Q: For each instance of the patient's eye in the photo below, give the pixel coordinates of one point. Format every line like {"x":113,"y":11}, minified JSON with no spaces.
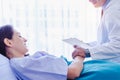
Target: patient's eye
{"x":20,"y":36}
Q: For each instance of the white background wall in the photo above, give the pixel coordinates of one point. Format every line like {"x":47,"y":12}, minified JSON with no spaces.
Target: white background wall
{"x":44,"y":23}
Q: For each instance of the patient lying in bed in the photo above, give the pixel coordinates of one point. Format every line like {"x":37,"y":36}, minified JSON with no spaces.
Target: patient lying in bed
{"x":92,"y":70}
{"x":43,"y":66}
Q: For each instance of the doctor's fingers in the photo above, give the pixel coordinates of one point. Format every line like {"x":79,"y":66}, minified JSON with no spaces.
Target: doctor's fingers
{"x":78,"y":52}
{"x":76,"y":46}
{"x":74,"y":54}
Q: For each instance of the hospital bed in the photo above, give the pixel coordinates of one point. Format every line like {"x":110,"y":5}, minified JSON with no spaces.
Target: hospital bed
{"x":93,"y":70}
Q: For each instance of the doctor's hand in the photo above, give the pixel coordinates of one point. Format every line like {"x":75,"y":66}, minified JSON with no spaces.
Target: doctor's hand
{"x":78,"y":52}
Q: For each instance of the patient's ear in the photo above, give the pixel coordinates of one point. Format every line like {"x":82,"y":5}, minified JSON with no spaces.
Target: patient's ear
{"x":7,"y":42}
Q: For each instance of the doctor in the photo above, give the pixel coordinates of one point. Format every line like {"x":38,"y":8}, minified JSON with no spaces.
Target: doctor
{"x":107,"y":46}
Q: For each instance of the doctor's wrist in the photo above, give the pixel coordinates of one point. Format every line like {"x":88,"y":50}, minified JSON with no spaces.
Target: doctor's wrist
{"x":87,"y":53}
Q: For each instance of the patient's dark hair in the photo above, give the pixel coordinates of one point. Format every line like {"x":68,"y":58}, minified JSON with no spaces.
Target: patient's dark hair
{"x":6,"y":31}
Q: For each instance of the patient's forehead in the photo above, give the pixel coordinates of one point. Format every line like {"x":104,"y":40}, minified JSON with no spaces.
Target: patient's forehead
{"x":15,"y":32}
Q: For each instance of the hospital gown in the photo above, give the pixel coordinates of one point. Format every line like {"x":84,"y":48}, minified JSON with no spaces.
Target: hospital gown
{"x":40,"y":66}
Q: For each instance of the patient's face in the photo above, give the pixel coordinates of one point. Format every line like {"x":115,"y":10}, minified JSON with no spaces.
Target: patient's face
{"x":18,"y":45}
{"x":98,"y":3}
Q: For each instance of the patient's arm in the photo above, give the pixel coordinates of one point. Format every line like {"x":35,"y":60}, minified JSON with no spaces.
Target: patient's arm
{"x":75,"y":67}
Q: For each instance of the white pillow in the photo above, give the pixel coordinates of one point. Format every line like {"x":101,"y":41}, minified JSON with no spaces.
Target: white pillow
{"x":5,"y":69}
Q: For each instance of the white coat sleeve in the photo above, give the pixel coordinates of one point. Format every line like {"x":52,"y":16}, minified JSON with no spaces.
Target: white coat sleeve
{"x":111,"y":28}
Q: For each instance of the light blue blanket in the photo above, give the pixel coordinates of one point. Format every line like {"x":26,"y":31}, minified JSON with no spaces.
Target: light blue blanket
{"x":99,"y":70}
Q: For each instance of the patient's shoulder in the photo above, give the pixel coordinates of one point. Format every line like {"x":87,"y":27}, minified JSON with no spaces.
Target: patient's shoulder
{"x":5,"y":69}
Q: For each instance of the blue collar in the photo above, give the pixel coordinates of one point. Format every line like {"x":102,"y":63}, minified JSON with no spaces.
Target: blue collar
{"x":104,"y":6}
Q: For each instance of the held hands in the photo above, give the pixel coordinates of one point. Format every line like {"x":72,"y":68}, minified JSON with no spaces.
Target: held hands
{"x":78,"y":52}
